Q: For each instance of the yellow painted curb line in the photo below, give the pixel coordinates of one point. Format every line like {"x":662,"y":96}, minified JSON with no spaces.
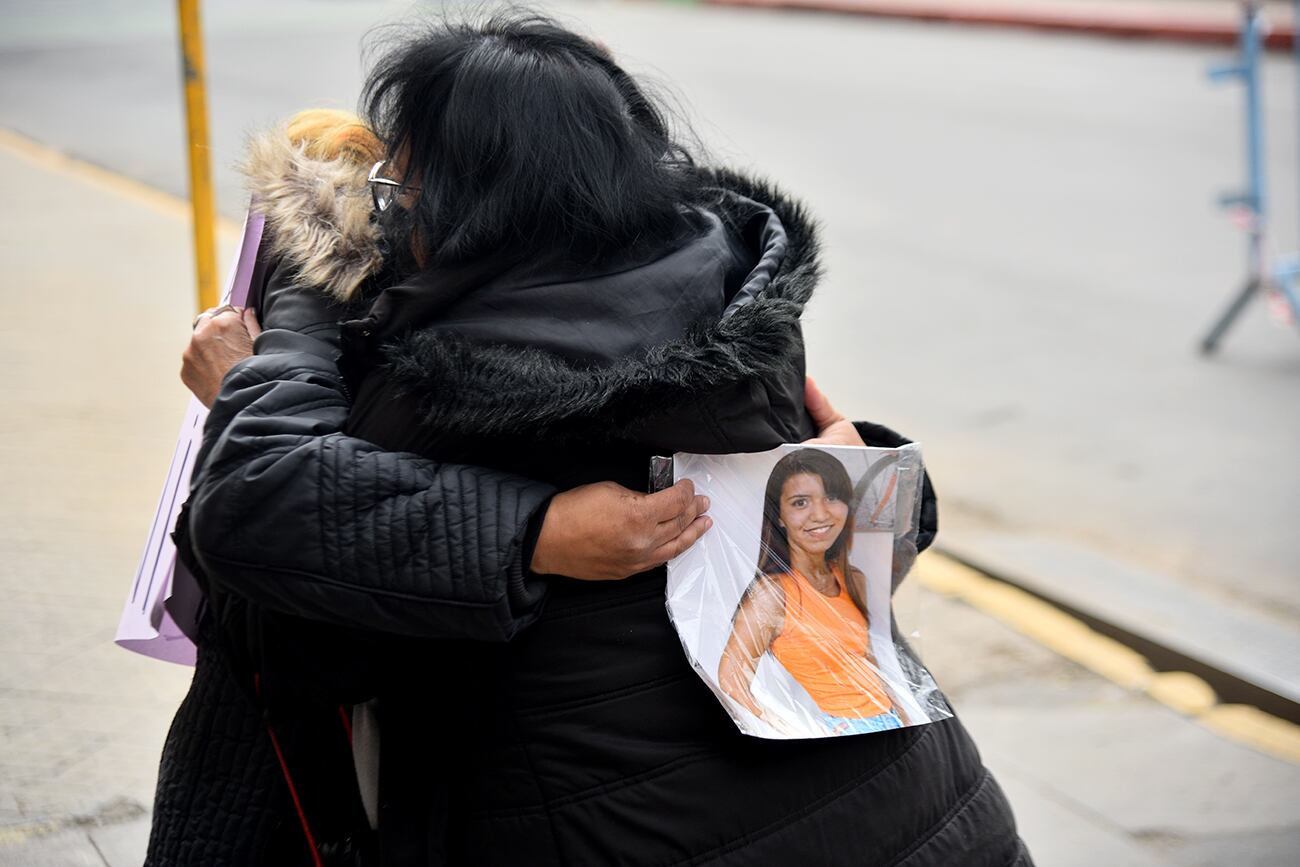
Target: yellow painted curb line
{"x":56,"y":161}
{"x":1076,"y":641}
{"x":16,"y":835}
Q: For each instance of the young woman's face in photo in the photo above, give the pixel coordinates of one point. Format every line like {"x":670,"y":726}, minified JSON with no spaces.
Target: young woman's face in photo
{"x":813,"y":519}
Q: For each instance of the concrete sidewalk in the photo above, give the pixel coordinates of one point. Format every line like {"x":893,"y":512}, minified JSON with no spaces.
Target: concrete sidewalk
{"x":94,"y":319}
{"x":1200,"y":21}
{"x":1098,"y":774}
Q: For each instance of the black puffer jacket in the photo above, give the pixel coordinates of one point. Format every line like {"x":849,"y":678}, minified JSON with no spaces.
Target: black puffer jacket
{"x":579,"y":734}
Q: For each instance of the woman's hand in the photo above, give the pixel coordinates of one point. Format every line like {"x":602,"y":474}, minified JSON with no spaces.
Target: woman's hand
{"x":605,"y":532}
{"x":833,"y":429}
{"x":222,"y":337}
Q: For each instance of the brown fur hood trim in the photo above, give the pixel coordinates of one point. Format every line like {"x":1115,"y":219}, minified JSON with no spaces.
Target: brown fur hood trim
{"x":318,"y":214}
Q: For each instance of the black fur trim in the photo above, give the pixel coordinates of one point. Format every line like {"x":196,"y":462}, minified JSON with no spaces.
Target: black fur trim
{"x":472,"y":389}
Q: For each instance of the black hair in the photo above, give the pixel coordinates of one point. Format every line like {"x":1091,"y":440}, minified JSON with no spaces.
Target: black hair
{"x":527,"y":143}
{"x":774,"y":550}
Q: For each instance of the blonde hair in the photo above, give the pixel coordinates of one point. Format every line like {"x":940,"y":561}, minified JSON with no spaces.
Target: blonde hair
{"x":331,"y":133}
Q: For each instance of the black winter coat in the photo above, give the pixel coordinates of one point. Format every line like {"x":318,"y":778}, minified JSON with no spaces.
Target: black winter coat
{"x":549,"y":721}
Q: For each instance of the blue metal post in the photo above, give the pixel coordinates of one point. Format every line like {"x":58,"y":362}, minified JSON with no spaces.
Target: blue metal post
{"x":1251,"y":45}
{"x":1247,"y":69}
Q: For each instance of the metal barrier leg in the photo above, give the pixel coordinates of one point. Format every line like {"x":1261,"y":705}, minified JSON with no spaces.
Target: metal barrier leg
{"x":1211,"y":341}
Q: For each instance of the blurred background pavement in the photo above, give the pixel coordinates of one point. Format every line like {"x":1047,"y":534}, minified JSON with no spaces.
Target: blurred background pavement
{"x":1022,"y":252}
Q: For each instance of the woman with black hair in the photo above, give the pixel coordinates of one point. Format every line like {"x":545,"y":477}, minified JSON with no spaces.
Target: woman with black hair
{"x":807,"y":606}
{"x":550,"y":292}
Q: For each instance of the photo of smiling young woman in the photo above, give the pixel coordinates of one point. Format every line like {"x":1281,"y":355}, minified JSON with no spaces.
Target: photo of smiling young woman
{"x":807,"y":605}
{"x":785,"y":608}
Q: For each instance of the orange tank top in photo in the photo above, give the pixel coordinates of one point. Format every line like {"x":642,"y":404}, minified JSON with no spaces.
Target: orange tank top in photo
{"x":824,"y":644}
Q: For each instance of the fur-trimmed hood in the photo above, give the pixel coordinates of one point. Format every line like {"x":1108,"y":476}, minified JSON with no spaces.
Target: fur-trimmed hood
{"x":318,"y":214}
{"x":491,"y":384}
{"x":473,"y":373}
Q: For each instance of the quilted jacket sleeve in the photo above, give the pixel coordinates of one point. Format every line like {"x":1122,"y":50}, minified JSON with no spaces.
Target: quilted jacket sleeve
{"x":290,"y":514}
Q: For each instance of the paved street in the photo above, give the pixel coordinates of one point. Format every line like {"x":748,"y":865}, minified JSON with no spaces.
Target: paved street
{"x":1022,"y":251}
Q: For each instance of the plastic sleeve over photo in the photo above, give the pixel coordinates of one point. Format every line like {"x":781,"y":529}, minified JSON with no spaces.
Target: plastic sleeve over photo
{"x":785,"y":608}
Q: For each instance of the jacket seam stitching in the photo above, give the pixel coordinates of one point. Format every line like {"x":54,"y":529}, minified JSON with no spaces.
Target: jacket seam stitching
{"x":217,"y":464}
{"x":602,"y":698}
{"x":600,"y":789}
{"x":300,"y":575}
{"x":325,"y":537}
{"x":967,"y":798}
{"x":541,"y":790}
{"x":805,"y":812}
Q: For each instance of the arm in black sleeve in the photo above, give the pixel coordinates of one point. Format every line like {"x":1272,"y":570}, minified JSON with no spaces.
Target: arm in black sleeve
{"x":290,"y":514}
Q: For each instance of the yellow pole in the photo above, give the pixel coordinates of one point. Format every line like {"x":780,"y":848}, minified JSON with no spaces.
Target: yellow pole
{"x":196,"y":123}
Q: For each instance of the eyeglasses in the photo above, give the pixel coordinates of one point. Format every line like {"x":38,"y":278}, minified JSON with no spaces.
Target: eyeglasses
{"x":385,"y":190}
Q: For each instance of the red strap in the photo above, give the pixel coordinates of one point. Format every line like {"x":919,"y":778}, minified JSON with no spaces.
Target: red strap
{"x":288,"y":779}
{"x":347,"y":722}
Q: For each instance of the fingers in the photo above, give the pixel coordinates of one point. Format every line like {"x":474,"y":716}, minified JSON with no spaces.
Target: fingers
{"x":668,"y":530}
{"x":681,"y":520}
{"x":686,"y":539}
{"x":840,"y":433}
{"x":670,"y":502}
{"x":819,"y":406}
{"x":221,"y":338}
{"x":250,"y":322}
{"x":214,"y":312}
{"x":213,"y":332}
{"x":226,"y":314}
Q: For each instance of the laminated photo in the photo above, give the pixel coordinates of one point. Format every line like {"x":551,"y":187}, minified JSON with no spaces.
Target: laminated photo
{"x":784,"y":606}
